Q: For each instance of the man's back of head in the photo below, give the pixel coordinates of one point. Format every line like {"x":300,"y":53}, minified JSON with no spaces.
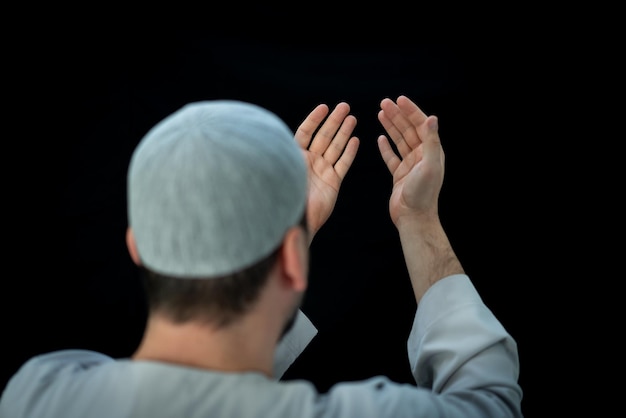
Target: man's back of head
{"x":213,"y":187}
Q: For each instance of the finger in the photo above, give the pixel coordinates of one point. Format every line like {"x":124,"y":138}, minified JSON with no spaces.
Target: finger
{"x":391,"y":160}
{"x":344,"y":163}
{"x":411,"y":110}
{"x":307,"y":128}
{"x":399,"y":117}
{"x":329,"y":128}
{"x":402,"y":147}
{"x":338,"y":143}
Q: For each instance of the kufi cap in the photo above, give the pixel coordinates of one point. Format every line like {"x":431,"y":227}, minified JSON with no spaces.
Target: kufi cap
{"x":213,"y":188}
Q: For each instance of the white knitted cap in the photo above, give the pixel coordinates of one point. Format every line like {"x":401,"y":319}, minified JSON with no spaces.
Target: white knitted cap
{"x":213,"y":188}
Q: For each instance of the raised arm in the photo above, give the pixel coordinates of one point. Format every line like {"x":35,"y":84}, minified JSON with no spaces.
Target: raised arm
{"x":456,"y":347}
{"x":418,"y":173}
{"x":329,"y":149}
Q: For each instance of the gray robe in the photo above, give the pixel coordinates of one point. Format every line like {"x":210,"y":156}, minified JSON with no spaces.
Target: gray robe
{"x":464,"y":362}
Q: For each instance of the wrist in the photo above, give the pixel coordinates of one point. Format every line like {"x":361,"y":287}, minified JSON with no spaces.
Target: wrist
{"x":418,"y":222}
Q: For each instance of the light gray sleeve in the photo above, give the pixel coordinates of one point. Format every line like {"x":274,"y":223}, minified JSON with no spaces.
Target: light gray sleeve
{"x":456,"y":344}
{"x":293,"y":344}
{"x":464,"y":362}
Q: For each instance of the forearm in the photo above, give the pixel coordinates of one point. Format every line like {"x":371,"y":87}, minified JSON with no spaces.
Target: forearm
{"x":427,"y":252}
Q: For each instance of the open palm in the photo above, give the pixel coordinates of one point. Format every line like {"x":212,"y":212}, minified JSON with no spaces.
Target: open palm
{"x":329,"y":150}
{"x":418,"y":169}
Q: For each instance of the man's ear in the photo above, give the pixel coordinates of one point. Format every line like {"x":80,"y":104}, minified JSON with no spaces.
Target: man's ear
{"x":132,"y":246}
{"x":294,"y":258}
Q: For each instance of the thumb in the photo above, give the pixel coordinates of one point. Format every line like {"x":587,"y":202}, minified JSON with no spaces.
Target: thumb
{"x":431,"y":142}
{"x":433,"y":123}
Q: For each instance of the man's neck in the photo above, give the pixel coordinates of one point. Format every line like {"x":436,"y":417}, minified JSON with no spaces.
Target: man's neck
{"x":245,"y":346}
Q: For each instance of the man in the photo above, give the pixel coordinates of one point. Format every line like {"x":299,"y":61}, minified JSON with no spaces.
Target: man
{"x":222,"y":209}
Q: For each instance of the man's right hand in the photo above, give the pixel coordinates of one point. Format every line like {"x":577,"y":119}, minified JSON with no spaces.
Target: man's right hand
{"x":417,"y":173}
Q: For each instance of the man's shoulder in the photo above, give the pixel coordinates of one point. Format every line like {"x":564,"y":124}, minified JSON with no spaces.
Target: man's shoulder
{"x":61,"y":362}
{"x":52,"y":376}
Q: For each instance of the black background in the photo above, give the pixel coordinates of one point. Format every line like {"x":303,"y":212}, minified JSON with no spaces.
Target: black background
{"x":96,"y":95}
